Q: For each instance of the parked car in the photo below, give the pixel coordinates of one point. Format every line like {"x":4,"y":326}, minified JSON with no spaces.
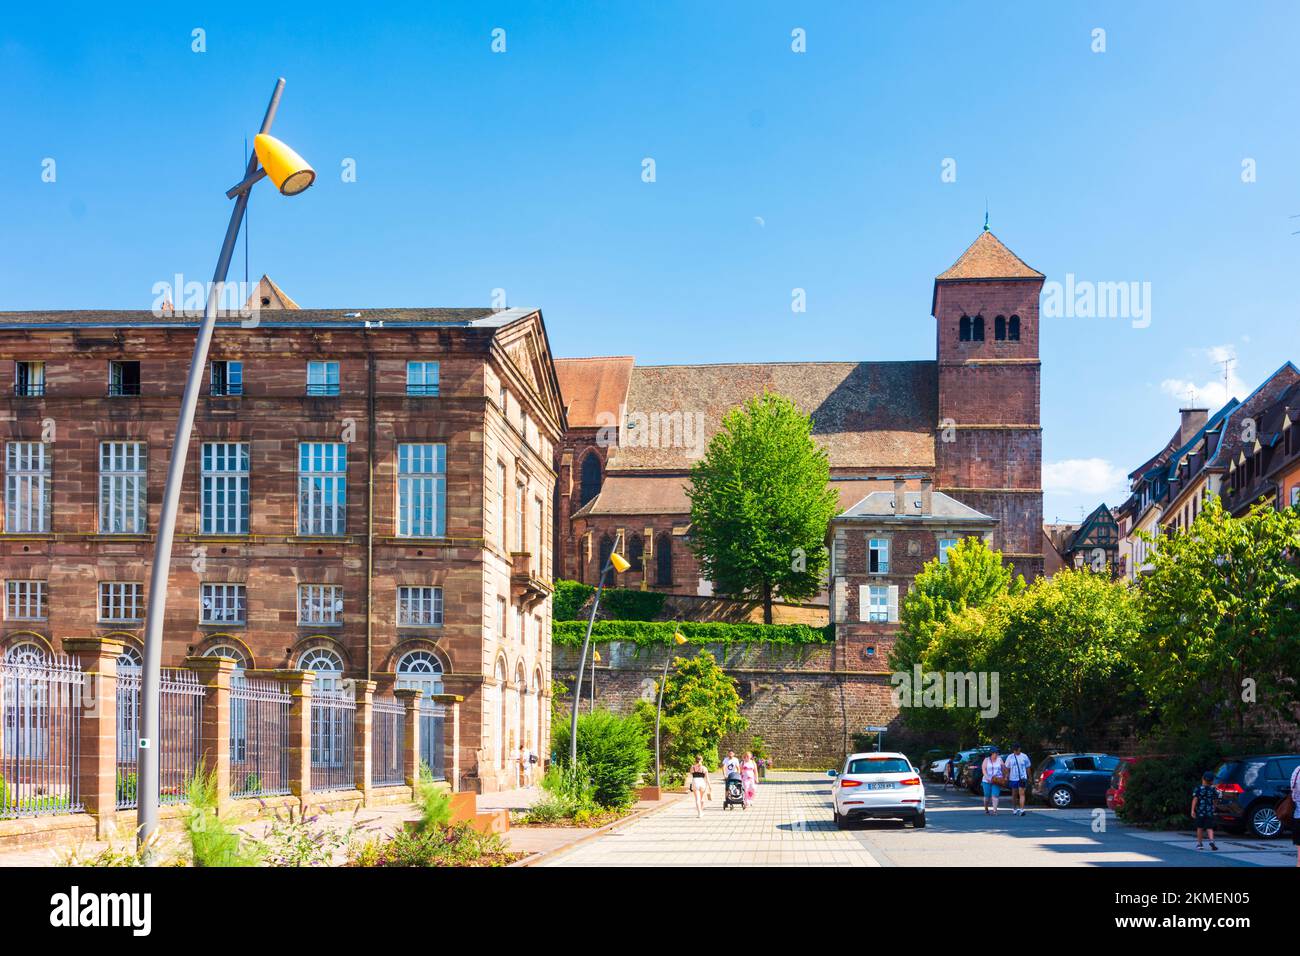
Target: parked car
{"x":1250,"y":788}
{"x":934,"y":761}
{"x":1062,"y":780}
{"x":1119,"y":783}
{"x":877,"y":786}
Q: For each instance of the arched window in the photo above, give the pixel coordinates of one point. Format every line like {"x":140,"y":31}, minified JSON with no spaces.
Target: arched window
{"x":1013,"y":329}
{"x":964,"y":327}
{"x":664,"y":560}
{"x":606,"y":549}
{"x":420,"y":670}
{"x":26,"y":704}
{"x":26,"y":654}
{"x":325,"y":664}
{"x":979,"y":328}
{"x":1000,"y":328}
{"x":503,"y":717}
{"x":590,"y":478}
{"x":228,"y":650}
{"x":129,"y":661}
{"x":635,"y":551}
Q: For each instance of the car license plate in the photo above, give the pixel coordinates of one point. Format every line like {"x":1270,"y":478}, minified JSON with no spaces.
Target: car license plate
{"x":880,"y":786}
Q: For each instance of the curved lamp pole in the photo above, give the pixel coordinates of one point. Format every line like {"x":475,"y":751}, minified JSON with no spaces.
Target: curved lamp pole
{"x":679,"y":638}
{"x":616,"y":563}
{"x":291,"y":175}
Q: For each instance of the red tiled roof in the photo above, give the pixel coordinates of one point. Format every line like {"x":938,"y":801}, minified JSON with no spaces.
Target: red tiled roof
{"x":592,"y":386}
{"x":988,"y":258}
{"x":639,"y":495}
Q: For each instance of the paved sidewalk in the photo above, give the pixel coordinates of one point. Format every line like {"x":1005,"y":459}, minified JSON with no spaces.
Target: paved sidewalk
{"x":788,"y":825}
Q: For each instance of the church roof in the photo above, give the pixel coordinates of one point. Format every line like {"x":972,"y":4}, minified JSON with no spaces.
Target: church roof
{"x":594,"y":388}
{"x":988,"y":258}
{"x":865,"y":414}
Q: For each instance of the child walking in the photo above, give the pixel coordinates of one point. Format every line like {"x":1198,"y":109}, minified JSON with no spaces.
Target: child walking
{"x":1203,"y":798}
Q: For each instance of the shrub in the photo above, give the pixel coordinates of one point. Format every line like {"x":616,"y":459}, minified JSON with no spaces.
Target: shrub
{"x":627,"y":604}
{"x":651,"y":633}
{"x":567,"y":794}
{"x":434,"y":802}
{"x":212,"y":842}
{"x":1159,"y":789}
{"x":300,"y":838}
{"x":613,"y":751}
{"x":568,"y":599}
{"x":460,"y":845}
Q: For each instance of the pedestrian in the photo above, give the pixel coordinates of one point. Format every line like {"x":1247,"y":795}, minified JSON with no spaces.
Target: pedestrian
{"x":525,"y":766}
{"x":951,"y":771}
{"x":1203,"y":798}
{"x":1295,"y":802}
{"x":749,"y":777}
{"x":1018,"y":778}
{"x":698,"y":781}
{"x":730,"y":764}
{"x":993,"y":777}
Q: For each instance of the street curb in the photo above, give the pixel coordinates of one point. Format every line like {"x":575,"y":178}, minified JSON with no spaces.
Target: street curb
{"x":595,"y":834}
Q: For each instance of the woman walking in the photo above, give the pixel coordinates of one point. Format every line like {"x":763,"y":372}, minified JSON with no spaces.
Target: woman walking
{"x":993,"y":772}
{"x":749,"y":777}
{"x":698,"y":781}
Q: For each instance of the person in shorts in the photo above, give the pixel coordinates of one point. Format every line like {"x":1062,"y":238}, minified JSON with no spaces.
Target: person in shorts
{"x":1203,"y":799}
{"x":993,"y":773}
{"x":1018,"y":779}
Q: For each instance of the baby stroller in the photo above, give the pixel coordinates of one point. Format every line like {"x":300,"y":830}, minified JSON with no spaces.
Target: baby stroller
{"x":735,"y":792}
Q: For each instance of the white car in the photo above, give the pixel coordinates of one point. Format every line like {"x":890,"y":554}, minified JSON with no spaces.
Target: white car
{"x":878,"y":786}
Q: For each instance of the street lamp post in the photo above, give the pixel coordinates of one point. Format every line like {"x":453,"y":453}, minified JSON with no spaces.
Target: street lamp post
{"x":659,"y":707}
{"x":291,"y":176}
{"x":618,"y":564}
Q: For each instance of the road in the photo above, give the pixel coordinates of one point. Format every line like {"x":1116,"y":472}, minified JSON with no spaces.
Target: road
{"x":790,"y":825}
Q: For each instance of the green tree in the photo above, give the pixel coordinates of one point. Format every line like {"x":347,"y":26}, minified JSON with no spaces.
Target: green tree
{"x":701,"y":706}
{"x":973,"y":576}
{"x":1222,"y":606}
{"x":761,"y":502}
{"x":1063,"y":653}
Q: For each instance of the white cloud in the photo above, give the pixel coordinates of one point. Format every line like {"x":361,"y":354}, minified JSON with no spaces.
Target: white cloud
{"x":1213,"y":393}
{"x":1083,"y":476}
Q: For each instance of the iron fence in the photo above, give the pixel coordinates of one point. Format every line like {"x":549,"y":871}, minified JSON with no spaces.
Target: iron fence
{"x":259,"y":738}
{"x":333,"y":722}
{"x":388,"y":741}
{"x":431,"y":744}
{"x":180,"y":728}
{"x":39,"y":759}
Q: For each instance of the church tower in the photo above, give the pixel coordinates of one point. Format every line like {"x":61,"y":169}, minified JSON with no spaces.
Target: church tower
{"x":988,"y":441}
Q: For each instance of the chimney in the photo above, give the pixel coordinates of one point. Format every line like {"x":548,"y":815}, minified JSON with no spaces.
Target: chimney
{"x":1193,"y":421}
{"x":900,"y":497}
{"x":927,"y":495}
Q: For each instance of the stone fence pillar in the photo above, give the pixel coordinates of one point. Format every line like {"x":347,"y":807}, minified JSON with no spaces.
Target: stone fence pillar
{"x":451,"y":736}
{"x":363,"y":746}
{"x":216,"y":674}
{"x":410,"y":699}
{"x":95,"y":712}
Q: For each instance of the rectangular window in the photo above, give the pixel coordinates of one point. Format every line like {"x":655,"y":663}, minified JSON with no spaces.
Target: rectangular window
{"x":322,"y":378}
{"x":520,"y":617}
{"x":501,"y":505}
{"x":501,"y":619}
{"x":25,"y":600}
{"x":521,"y":497}
{"x":123,"y":378}
{"x":878,"y":556}
{"x":421,"y":491}
{"x":320,"y":604}
{"x":121,"y":602}
{"x":227,"y":378}
{"x":537,"y":535}
{"x":122,"y":485}
{"x":223,"y":604}
{"x":878,"y":605}
{"x":421,"y":378}
{"x":322,"y":487}
{"x":225,"y":488}
{"x":419,"y":607}
{"x":944,"y":545}
{"x":27,"y":487}
{"x":29,"y":379}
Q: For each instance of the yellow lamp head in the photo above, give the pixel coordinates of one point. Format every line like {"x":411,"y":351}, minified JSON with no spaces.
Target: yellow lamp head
{"x":679,"y":637}
{"x":286,"y":169}
{"x":619,"y":562}
{"x":595,"y":655}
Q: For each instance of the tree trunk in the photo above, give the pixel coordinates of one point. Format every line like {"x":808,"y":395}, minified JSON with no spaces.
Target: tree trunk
{"x":767,"y":602}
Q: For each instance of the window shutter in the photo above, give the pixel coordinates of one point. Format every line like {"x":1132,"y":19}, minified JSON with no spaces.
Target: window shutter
{"x":893,"y":602}
{"x":864,"y":601}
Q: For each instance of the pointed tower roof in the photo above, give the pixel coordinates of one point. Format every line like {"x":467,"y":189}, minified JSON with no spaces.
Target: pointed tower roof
{"x":268,"y":295}
{"x":988,"y":258}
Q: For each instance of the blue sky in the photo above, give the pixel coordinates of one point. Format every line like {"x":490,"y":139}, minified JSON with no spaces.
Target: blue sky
{"x":774,"y":171}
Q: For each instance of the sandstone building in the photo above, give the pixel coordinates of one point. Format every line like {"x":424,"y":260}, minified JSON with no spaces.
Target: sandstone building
{"x":367,"y":494}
